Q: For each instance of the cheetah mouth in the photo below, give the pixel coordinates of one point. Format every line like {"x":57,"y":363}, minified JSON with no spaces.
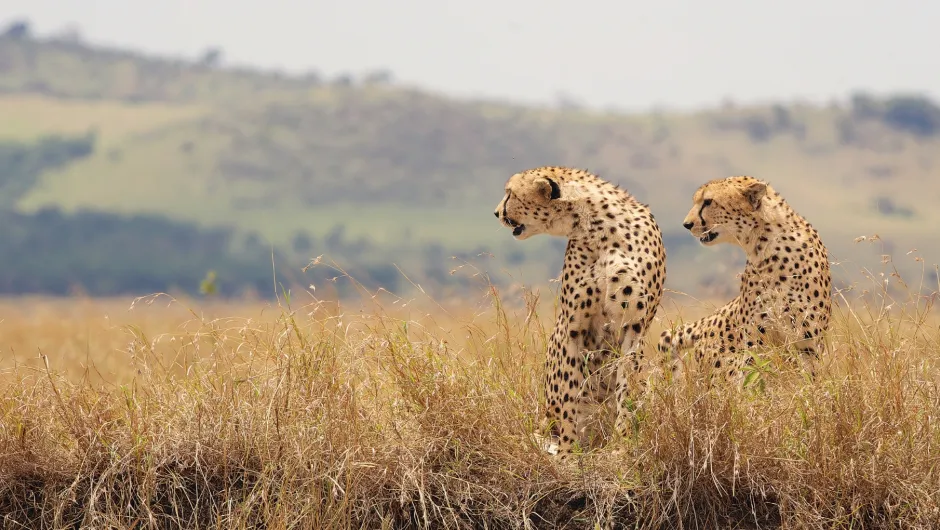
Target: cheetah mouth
{"x":708,"y":237}
{"x":517,"y":228}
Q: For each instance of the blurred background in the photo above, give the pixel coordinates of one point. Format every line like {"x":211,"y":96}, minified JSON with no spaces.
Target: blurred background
{"x":215,"y":148}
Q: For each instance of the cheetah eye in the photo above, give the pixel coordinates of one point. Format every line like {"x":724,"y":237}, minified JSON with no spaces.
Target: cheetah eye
{"x":706,"y":202}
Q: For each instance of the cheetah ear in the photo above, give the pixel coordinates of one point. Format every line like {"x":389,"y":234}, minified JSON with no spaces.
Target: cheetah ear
{"x":549,"y":189}
{"x":754,"y":192}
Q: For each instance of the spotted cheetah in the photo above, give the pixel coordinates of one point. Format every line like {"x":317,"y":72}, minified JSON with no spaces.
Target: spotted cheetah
{"x":785,"y":289}
{"x":611,"y":286}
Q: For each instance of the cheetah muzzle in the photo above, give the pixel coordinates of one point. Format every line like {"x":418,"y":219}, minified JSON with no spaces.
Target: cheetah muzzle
{"x":517,"y":228}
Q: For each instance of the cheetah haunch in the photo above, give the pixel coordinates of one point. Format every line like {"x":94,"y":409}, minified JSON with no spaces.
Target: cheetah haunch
{"x":611,"y":286}
{"x":784,"y":298}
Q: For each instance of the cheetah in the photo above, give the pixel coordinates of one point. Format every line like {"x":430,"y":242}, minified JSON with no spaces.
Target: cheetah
{"x":785,"y":293}
{"x":611,"y":286}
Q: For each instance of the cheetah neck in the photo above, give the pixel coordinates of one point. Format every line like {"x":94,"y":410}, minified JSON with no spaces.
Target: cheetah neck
{"x":595,"y":215}
{"x":777,"y":221}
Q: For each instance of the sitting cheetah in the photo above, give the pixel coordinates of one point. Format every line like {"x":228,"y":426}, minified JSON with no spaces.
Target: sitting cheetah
{"x":612,"y":283}
{"x":785,"y":289}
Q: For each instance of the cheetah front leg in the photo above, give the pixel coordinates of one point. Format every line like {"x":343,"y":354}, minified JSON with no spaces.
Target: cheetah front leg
{"x":569,"y":387}
{"x":707,"y":337}
{"x":630,"y":306}
{"x":630,"y":385}
{"x":808,"y":342}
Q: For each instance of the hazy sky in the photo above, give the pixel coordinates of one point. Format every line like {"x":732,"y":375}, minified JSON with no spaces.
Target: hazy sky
{"x":629,"y":54}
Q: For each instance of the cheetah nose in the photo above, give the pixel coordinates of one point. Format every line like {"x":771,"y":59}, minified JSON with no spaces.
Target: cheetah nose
{"x":496,"y":214}
{"x":688,"y":226}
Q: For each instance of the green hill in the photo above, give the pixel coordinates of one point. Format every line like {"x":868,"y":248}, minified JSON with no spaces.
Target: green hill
{"x":414,"y":176}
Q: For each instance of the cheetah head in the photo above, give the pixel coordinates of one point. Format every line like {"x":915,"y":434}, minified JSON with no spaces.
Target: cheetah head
{"x":724,"y":210}
{"x":534,"y":203}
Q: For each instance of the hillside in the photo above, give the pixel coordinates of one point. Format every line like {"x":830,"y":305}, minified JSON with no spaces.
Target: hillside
{"x":408,"y":177}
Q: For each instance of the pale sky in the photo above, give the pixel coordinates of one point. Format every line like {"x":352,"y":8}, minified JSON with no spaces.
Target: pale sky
{"x":633,"y":55}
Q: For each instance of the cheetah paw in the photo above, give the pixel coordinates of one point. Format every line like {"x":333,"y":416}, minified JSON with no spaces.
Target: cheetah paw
{"x":546,"y":444}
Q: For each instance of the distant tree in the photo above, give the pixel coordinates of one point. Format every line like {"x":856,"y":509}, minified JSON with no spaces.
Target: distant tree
{"x":916,"y":115}
{"x":19,"y":29}
{"x":386,"y":276}
{"x":211,"y":58}
{"x":913,"y":114}
{"x":335,"y":238}
{"x":302,"y":243}
{"x":846,"y":129}
{"x":758,"y":129}
{"x":312,"y":78}
{"x":378,"y":77}
{"x":887,"y":207}
{"x":343,"y":80}
{"x":49,"y":252}
{"x":865,"y":106}
{"x":21,"y":163}
{"x":253,"y":246}
{"x":782,"y":119}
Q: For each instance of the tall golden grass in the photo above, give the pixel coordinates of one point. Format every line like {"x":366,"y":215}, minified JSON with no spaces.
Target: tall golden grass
{"x":406,"y":414}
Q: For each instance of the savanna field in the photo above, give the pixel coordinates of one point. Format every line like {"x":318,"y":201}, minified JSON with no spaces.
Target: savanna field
{"x":383,"y":412}
{"x":338,"y":404}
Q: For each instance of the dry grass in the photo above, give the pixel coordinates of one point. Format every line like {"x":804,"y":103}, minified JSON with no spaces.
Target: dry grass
{"x":409,"y":415}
